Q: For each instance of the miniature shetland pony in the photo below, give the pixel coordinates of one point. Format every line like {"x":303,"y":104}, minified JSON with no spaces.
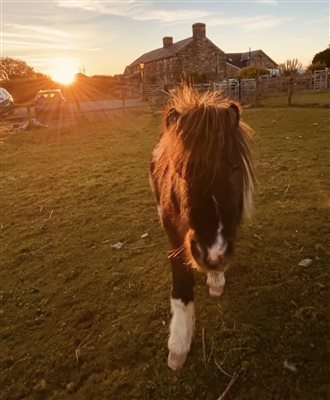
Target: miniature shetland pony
{"x":202,"y":178}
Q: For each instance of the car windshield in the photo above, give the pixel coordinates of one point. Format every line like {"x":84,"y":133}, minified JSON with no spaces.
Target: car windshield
{"x":49,"y":96}
{"x":4,"y":94}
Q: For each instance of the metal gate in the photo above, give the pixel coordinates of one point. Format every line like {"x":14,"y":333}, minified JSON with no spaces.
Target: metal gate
{"x":320,"y":79}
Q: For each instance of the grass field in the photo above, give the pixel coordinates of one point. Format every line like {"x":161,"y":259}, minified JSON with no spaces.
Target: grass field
{"x":301,"y":99}
{"x":82,"y":320}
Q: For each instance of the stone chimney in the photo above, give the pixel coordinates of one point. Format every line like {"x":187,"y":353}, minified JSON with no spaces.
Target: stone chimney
{"x":167,"y":41}
{"x":198,"y":30}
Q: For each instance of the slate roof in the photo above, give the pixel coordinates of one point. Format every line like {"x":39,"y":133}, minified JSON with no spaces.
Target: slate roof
{"x":235,"y":59}
{"x":163,"y":52}
{"x":239,"y":59}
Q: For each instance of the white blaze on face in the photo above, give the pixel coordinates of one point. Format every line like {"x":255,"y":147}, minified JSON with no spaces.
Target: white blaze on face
{"x":218,"y":248}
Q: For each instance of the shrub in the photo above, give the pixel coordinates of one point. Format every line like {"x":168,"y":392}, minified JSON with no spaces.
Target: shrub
{"x":313,"y":67}
{"x":323,"y":57}
{"x":252,"y":72}
{"x":290,"y":67}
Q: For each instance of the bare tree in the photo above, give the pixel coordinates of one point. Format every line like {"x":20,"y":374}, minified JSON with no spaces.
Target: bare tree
{"x":290,"y":69}
{"x":3,"y":75}
{"x":11,"y":68}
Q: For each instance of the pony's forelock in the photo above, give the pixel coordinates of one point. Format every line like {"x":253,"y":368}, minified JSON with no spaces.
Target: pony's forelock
{"x":185,"y":99}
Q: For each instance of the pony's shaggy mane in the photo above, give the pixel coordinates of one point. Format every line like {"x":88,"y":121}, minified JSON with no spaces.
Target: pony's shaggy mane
{"x":204,"y":131}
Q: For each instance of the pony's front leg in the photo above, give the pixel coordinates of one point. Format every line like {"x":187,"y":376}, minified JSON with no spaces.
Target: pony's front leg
{"x":183,"y":319}
{"x":216,"y":282}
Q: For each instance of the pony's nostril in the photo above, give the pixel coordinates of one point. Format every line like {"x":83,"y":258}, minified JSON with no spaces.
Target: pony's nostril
{"x":212,"y":266}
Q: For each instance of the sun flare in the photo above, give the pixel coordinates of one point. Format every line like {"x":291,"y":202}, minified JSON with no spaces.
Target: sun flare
{"x":64,"y":70}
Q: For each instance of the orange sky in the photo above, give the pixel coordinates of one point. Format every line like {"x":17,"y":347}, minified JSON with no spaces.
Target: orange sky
{"x":102,"y":37}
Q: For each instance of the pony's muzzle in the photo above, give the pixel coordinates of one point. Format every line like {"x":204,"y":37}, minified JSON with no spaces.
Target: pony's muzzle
{"x":214,"y":263}
{"x":217,"y":265}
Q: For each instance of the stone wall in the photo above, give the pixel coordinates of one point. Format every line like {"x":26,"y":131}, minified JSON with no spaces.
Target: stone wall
{"x":162,"y":71}
{"x":201,"y":57}
{"x":231,"y":71}
{"x":261,"y":60}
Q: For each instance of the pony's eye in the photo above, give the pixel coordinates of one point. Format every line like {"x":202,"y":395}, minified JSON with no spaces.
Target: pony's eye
{"x":196,"y":249}
{"x":235,"y":168}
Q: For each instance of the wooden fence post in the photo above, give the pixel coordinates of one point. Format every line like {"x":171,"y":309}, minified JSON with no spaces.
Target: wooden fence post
{"x":123,"y":100}
{"x":290,"y":90}
{"x":239,"y":90}
{"x":256,"y":101}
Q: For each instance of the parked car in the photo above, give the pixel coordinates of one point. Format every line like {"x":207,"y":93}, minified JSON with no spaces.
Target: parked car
{"x":50,"y":104}
{"x":6,"y":102}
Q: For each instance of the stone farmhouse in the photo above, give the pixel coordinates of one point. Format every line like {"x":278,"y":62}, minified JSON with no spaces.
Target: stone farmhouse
{"x":196,"y":58}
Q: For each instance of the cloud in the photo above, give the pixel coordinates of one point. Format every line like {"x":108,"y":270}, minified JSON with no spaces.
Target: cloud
{"x":125,"y":8}
{"x":16,"y":36}
{"x":19,"y":44}
{"x":27,"y":37}
{"x":12,"y":42}
{"x":9,"y":36}
{"x":272,"y":2}
{"x":321,"y":20}
{"x":171,"y":15}
{"x":258,"y":22}
{"x":141,"y":11}
{"x":267,"y":22}
{"x":135,"y":10}
{"x":40,"y":29}
{"x":35,"y":60}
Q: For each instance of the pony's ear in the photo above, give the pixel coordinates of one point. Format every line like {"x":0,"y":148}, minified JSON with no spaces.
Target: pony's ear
{"x":235,"y":112}
{"x":171,"y":117}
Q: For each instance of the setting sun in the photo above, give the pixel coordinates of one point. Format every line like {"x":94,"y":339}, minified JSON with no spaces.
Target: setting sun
{"x":64,"y":70}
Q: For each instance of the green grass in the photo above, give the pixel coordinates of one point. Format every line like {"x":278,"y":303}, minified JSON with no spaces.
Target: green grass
{"x":82,"y":320}
{"x":301,"y":99}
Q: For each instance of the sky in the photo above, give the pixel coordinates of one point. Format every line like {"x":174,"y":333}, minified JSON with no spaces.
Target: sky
{"x":102,"y":37}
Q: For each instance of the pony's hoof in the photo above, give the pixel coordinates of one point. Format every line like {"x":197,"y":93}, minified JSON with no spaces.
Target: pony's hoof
{"x":175,"y":361}
{"x":215,"y":291}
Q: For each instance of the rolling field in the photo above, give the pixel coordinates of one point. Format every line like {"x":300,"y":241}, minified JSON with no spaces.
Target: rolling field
{"x":83,"y":320}
{"x":300,"y":99}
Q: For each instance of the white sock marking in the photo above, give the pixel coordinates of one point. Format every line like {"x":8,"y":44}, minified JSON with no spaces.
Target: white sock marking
{"x":181,"y":327}
{"x":216,"y":282}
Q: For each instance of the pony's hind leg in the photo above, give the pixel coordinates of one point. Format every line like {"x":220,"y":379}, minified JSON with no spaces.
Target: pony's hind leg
{"x":183,"y":319}
{"x":216,"y":282}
